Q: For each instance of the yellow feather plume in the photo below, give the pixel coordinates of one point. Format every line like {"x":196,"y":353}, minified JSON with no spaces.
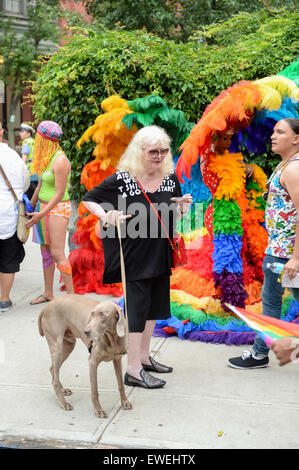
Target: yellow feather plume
{"x":271,"y":98}
{"x":282,"y":85}
{"x":86,"y":136}
{"x":109,"y":133}
{"x":113,"y":102}
{"x":259,"y":176}
{"x":207,"y":304}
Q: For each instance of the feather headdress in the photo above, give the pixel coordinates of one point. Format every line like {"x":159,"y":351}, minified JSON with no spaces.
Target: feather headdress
{"x":236,"y":108}
{"x":109,"y":133}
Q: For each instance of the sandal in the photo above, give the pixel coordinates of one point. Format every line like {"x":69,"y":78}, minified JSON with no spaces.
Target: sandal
{"x":156,"y":367}
{"x":44,"y":299}
{"x":148,"y":381}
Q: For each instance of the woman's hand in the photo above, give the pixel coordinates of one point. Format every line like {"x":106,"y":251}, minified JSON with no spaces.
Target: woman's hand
{"x":291,"y":267}
{"x":110,"y":217}
{"x":183,"y":203}
{"x":286,"y":349}
{"x":35,"y":217}
{"x":248,"y":170}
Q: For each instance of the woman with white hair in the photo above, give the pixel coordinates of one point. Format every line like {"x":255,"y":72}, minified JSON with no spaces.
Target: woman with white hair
{"x":145,"y":169}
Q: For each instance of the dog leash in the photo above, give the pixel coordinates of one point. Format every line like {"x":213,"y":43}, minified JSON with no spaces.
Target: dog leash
{"x":123,"y":280}
{"x":122,"y":267}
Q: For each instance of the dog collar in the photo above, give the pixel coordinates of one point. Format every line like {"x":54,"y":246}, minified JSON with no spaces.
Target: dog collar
{"x":89,"y":347}
{"x":101,"y":350}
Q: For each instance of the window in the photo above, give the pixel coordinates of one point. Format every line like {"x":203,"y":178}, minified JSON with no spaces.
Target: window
{"x":16,"y":7}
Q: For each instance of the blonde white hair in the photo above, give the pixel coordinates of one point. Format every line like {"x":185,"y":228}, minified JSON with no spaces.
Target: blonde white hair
{"x":131,"y":160}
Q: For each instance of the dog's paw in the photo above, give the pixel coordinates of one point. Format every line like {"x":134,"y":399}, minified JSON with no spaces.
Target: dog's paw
{"x":66,"y":406}
{"x":67,"y":392}
{"x":126,"y":405}
{"x":100,"y":413}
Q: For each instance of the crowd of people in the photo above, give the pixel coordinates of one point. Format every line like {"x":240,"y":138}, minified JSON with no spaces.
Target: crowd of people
{"x":146,"y":167}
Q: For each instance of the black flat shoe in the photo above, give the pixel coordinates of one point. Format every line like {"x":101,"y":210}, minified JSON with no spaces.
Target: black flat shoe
{"x":156,"y":367}
{"x":148,"y":381}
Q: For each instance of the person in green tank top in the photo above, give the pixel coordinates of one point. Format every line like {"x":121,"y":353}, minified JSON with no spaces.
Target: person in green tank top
{"x":52,"y":207}
{"x":48,"y":190}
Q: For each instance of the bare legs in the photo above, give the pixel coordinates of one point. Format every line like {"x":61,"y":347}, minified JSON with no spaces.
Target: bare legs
{"x":48,"y":275}
{"x":139,"y":346}
{"x":146,"y":341}
{"x":6,"y":282}
{"x":57,"y":232}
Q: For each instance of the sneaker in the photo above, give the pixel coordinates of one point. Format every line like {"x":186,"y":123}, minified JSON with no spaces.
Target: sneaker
{"x":247,"y":361}
{"x":5,"y":305}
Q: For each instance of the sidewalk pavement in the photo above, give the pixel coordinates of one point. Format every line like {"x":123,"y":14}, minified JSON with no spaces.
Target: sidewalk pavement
{"x":205,"y":403}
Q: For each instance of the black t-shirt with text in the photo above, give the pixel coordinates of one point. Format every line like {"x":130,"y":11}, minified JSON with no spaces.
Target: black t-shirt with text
{"x":146,"y":248}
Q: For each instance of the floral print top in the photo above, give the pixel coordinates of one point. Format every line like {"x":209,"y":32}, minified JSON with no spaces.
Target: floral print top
{"x":280,"y":216}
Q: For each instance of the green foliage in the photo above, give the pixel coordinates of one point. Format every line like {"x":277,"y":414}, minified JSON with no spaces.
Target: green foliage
{"x":250,"y":46}
{"x":92,"y":66}
{"x":171,"y":19}
{"x":95,"y":64}
{"x":20,"y":51}
{"x":268,"y":161}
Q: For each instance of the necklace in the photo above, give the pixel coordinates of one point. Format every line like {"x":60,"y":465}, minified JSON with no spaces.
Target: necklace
{"x":284,"y":162}
{"x":152,"y":185}
{"x":281,"y":165}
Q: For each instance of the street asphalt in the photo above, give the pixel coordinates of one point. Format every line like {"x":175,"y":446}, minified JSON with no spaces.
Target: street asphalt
{"x":204,"y":405}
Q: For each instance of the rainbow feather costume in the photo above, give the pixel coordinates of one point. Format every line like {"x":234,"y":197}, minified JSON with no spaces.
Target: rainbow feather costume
{"x":226,"y":252}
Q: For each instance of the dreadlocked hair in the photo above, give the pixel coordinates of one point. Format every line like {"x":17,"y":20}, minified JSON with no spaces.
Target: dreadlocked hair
{"x":43,"y":151}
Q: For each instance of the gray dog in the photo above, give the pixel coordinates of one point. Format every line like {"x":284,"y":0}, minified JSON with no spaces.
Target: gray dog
{"x":101,"y":327}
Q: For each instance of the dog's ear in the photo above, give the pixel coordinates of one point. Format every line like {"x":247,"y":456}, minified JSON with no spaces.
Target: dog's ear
{"x":120,"y":325}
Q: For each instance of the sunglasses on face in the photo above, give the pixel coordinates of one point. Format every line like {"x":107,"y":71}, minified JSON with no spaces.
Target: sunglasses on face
{"x":156,"y":152}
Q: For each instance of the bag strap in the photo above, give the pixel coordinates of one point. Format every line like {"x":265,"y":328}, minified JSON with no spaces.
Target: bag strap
{"x":9,"y":184}
{"x":156,"y":212}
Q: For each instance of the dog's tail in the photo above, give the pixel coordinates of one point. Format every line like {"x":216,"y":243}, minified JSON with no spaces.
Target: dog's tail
{"x":39,"y":322}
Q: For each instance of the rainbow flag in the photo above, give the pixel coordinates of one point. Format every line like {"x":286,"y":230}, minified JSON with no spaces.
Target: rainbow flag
{"x":269,"y":329}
